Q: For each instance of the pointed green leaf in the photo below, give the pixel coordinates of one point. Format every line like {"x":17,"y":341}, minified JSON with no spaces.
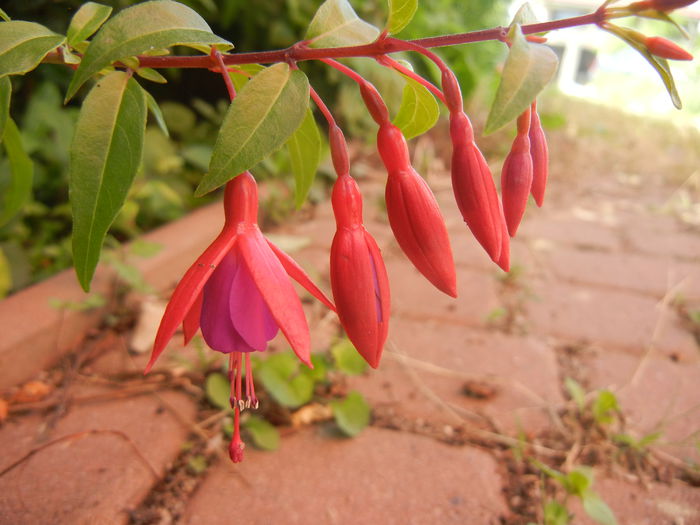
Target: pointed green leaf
{"x":152,"y":75}
{"x":352,"y":414}
{"x":263,"y":116}
{"x":528,"y":69}
{"x":524,"y":16}
{"x":5,"y":96}
{"x":86,"y":21}
{"x":104,"y":156}
{"x":218,"y":390}
{"x":264,"y":435}
{"x":336,"y":24}
{"x":400,"y":14}
{"x":597,"y":509}
{"x":419,"y":111}
{"x":19,"y":188}
{"x":157,"y":113}
{"x":4,"y":16}
{"x":305,"y":153}
{"x":23,"y":45}
{"x":157,"y":24}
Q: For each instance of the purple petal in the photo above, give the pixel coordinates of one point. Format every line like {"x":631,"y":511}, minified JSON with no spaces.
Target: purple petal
{"x":217,"y":329}
{"x":250,"y":315}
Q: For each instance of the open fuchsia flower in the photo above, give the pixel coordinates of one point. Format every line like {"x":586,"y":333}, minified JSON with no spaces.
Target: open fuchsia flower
{"x":238,"y":291}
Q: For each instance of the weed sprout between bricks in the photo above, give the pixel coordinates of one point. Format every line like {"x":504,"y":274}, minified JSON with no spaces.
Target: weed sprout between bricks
{"x":238,"y":291}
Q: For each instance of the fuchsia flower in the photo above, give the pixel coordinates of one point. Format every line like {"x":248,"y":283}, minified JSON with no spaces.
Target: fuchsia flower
{"x":472,"y":182}
{"x":661,"y":47}
{"x":240,"y":294}
{"x":414,"y":214}
{"x":516,"y":176}
{"x":540,"y":156}
{"x":358,"y":276}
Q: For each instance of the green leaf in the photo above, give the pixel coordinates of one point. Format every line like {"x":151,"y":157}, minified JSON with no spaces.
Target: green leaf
{"x":158,"y":24}
{"x":352,"y":414}
{"x":263,"y":116}
{"x":555,"y":514}
{"x":218,"y":390}
{"x":419,"y":111}
{"x":320,"y":370}
{"x":145,"y":249}
{"x":597,"y":509}
{"x":247,"y":71}
{"x":336,"y":24}
{"x":5,"y":96}
{"x":264,"y":435}
{"x":23,"y":45}
{"x":152,"y":75}
{"x":105,"y":154}
{"x":155,"y":110}
{"x":604,"y":407}
{"x":400,"y":14}
{"x":5,"y":275}
{"x":528,"y":69}
{"x":281,"y":376}
{"x":4,"y":16}
{"x":576,"y":392}
{"x":579,"y":481}
{"x":305,"y":154}
{"x":347,"y":358}
{"x":86,"y":21}
{"x":19,"y":188}
{"x":524,"y":16}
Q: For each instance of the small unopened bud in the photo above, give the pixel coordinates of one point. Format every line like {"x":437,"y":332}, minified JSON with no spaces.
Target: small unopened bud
{"x":375,"y":104}
{"x":664,"y":48}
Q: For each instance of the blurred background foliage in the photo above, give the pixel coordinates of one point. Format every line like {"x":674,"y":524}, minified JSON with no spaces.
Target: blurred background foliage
{"x":36,"y":243}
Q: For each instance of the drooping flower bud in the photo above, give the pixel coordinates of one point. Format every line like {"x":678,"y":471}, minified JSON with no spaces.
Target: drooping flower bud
{"x":660,"y":5}
{"x":540,"y":157}
{"x":661,"y":47}
{"x":358,"y":276}
{"x":474,"y":189}
{"x":516,"y":176}
{"x":414,"y":214}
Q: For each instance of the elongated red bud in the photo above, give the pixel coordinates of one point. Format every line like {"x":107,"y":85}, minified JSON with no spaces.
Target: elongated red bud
{"x":667,"y":5}
{"x":516,"y":181}
{"x":540,"y":157}
{"x":358,"y":276}
{"x":339,"y":151}
{"x":392,"y":147}
{"x":474,"y":189}
{"x":375,"y":105}
{"x":664,"y":48}
{"x":420,"y":229}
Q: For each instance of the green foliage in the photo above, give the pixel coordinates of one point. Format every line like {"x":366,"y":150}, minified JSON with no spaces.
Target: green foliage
{"x":555,"y":513}
{"x":528,"y":69}
{"x":264,"y":435}
{"x":287,"y":381}
{"x":266,"y":112}
{"x":336,"y":24}
{"x":5,"y":96}
{"x":218,"y":390}
{"x":16,"y":189}
{"x":401,"y":13}
{"x":305,"y":147}
{"x":158,"y":24}
{"x":105,"y":155}
{"x":347,"y":359}
{"x":86,"y":21}
{"x":351,"y":414}
{"x":419,"y":111}
{"x":23,"y":45}
{"x":605,"y":407}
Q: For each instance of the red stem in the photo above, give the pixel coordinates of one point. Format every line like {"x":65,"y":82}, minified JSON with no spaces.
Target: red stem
{"x":322,"y":106}
{"x":345,"y":70}
{"x":299,"y":52}
{"x":224,"y":73}
{"x":390,"y":62}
